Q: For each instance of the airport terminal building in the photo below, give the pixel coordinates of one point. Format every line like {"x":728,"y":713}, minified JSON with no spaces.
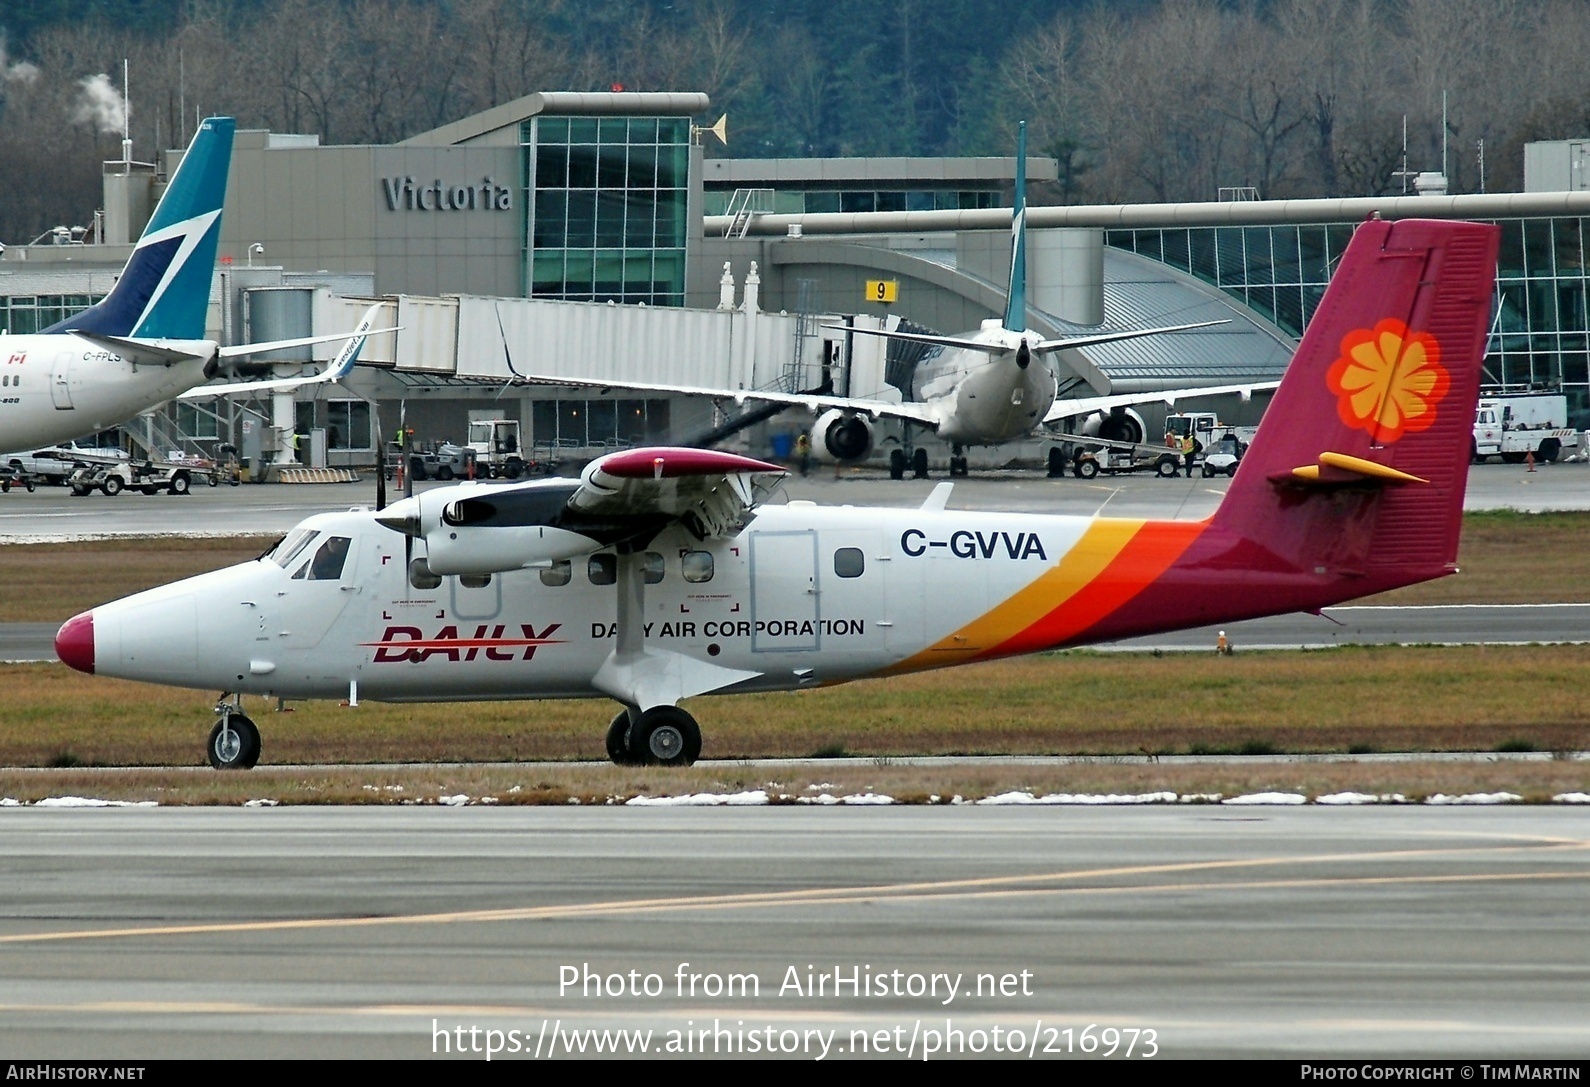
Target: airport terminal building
{"x":587,"y":234}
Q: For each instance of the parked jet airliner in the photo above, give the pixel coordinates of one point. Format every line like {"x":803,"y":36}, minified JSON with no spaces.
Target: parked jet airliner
{"x":982,"y":388}
{"x":144,"y":342}
{"x":662,"y":574}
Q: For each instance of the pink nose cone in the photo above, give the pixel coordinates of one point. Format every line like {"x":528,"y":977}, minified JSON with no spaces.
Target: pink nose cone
{"x":74,"y":642}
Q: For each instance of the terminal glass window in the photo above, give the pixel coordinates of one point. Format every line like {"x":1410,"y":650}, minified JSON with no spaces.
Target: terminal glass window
{"x":1540,"y":338}
{"x":598,"y":424}
{"x":25,"y":314}
{"x":608,"y":200}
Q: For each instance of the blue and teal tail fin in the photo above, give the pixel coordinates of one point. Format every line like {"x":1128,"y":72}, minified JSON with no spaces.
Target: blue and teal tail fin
{"x":164,"y":291}
{"x":1016,"y":299}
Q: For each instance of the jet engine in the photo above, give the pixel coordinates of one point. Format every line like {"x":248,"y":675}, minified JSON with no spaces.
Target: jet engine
{"x":1116,"y":425}
{"x":841,"y":436}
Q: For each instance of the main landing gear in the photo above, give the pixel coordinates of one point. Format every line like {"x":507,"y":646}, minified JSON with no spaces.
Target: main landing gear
{"x":234,"y":742}
{"x":660,"y":736}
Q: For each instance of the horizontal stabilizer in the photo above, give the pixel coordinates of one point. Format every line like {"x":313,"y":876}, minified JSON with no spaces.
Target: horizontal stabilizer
{"x":164,"y":352}
{"x":1337,"y":468}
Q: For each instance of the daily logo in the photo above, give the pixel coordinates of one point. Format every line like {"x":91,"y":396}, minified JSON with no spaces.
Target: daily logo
{"x":1388,"y":380}
{"x":489,"y":643}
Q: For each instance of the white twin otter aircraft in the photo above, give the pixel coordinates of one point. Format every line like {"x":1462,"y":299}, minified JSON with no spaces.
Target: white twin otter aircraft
{"x":662,"y":574}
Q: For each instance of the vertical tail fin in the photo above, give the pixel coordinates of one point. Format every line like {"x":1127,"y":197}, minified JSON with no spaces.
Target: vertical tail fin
{"x":1016,"y":298}
{"x":1360,"y":464}
{"x":164,"y":291}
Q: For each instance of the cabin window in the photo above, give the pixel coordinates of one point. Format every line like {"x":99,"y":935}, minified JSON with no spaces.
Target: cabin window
{"x":474,"y":581}
{"x":602,"y":569}
{"x":420,"y":575}
{"x":696,"y":566}
{"x":651,"y":567}
{"x":558,"y":573}
{"x":849,"y":562}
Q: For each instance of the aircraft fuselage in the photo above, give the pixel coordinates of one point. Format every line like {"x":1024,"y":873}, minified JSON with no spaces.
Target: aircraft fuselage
{"x":57,"y":387}
{"x":983,"y":399}
{"x":804,"y":596}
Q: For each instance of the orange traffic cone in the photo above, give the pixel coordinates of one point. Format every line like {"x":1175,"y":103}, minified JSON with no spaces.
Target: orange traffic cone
{"x":1529,"y":459}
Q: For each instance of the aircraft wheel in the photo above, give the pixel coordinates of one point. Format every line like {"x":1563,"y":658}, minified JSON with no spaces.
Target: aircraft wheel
{"x":180,"y":483}
{"x":919,"y":465}
{"x":897,"y":464}
{"x":1086,"y":469}
{"x":112,"y":486}
{"x":234,"y":743}
{"x":958,"y":466}
{"x":1166,"y":467}
{"x":618,"y":740}
{"x":664,"y":736}
{"x":1057,"y":462}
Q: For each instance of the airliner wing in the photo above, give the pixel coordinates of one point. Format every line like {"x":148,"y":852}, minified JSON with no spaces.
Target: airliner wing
{"x":337,"y":369}
{"x":994,"y":347}
{"x":817,"y":402}
{"x":1087,"y":405}
{"x":707,"y":488}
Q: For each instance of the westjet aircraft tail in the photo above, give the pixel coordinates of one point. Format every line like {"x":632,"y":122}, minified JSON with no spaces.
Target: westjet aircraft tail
{"x":1360,"y":464}
{"x":164,"y":291}
{"x":1016,"y":297}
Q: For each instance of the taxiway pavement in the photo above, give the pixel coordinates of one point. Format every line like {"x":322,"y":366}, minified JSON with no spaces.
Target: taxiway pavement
{"x":374,"y":933}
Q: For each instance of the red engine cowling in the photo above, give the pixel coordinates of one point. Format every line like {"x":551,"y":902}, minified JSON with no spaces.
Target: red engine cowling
{"x":842,"y":437}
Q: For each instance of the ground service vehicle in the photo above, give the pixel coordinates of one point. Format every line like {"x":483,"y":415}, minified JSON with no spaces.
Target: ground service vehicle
{"x":1514,"y":427}
{"x":1113,"y":458}
{"x":498,"y":451}
{"x":111,"y":476}
{"x":663,"y":574}
{"x":1223,"y":455}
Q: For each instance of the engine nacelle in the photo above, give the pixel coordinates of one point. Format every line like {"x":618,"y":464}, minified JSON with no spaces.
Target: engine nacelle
{"x":841,"y":436}
{"x":475,"y":550}
{"x":475,"y":530}
{"x":1116,"y":425}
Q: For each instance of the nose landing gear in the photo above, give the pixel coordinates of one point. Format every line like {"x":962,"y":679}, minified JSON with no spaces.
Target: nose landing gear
{"x":234,"y":743}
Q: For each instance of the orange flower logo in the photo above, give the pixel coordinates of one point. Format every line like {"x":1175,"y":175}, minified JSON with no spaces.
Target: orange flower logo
{"x":1388,"y":380}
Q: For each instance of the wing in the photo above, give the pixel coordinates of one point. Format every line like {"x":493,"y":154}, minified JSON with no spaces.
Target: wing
{"x":1044,"y":347}
{"x":1087,"y":405}
{"x":709,"y":490}
{"x":816,"y":402}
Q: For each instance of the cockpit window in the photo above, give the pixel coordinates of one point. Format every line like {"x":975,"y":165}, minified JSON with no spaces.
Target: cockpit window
{"x":292,"y":546}
{"x":327,"y":563}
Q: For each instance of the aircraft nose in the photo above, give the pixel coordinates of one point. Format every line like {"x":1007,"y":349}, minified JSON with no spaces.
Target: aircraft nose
{"x":74,"y":642}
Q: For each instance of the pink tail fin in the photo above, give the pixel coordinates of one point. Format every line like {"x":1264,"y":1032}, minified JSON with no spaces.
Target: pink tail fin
{"x":1359,"y":466}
